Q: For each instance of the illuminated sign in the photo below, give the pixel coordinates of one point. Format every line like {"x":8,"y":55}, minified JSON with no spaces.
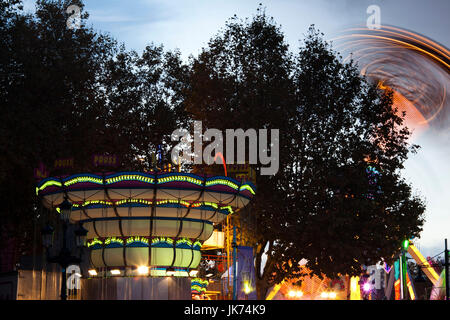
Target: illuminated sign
{"x":101,"y":160}
{"x":40,"y":172}
{"x":63,"y":163}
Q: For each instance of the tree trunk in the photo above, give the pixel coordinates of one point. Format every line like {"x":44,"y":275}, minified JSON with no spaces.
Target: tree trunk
{"x":262,"y":286}
{"x":262,"y":283}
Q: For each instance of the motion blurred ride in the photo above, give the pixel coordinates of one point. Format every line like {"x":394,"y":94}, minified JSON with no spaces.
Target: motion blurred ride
{"x":414,"y":67}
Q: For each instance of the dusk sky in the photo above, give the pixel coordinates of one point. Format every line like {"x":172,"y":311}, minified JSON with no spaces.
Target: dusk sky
{"x":189,"y":24}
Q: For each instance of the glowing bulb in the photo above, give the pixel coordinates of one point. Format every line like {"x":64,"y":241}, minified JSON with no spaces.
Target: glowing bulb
{"x":92,"y":272}
{"x":367,"y":286}
{"x":299,"y":294}
{"x":405,"y":244}
{"x":142,"y":270}
{"x":332,"y":295}
{"x":115,"y":272}
{"x":247,"y":288}
{"x":324,"y":295}
{"x":193,"y":273}
{"x":291,"y":293}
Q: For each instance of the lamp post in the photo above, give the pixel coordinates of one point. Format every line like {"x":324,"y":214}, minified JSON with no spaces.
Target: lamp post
{"x":64,"y":258}
{"x":447,"y":285}
{"x":234,"y":245}
{"x":404,"y":266}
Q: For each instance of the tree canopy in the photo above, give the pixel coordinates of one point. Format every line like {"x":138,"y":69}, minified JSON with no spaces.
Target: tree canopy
{"x":338,"y":200}
{"x":72,"y":93}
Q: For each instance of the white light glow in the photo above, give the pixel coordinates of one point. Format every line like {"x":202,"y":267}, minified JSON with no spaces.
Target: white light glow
{"x":193,"y":273}
{"x":142,"y":270}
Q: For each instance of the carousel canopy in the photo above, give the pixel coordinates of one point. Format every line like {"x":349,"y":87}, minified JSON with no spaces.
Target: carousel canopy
{"x":150,"y":219}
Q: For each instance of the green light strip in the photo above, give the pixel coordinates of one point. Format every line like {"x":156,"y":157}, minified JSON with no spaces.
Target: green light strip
{"x":137,"y":239}
{"x":141,"y":178}
{"x":197,"y":244}
{"x":49,"y":184}
{"x":163,"y":239}
{"x":134,"y":239}
{"x":198,"y":280}
{"x":82,"y":180}
{"x":93,"y":242}
{"x":114,"y":239}
{"x":180,"y":178}
{"x":247,"y":187}
{"x":222,"y":182}
{"x":160,"y":202}
{"x":130,"y":177}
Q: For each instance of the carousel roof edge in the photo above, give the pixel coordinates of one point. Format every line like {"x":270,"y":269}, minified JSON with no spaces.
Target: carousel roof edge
{"x":99,"y":177}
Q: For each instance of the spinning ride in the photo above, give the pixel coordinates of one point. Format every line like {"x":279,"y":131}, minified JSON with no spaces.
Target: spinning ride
{"x":146,"y":223}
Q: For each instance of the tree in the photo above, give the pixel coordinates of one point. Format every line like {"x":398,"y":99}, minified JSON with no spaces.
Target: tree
{"x":73,"y":93}
{"x":144,"y":104}
{"x":321,"y":205}
{"x":344,"y":215}
{"x":47,"y":100}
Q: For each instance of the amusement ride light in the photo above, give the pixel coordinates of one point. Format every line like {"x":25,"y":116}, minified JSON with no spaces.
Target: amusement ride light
{"x":367,"y":287}
{"x":85,"y":199}
{"x":193,"y":273}
{"x":115,"y":272}
{"x":247,"y":288}
{"x":415,"y":67}
{"x":142,"y":270}
{"x":92,"y":272}
{"x":405,"y":244}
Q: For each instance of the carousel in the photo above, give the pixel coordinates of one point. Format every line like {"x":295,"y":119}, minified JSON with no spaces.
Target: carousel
{"x":151,"y":224}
